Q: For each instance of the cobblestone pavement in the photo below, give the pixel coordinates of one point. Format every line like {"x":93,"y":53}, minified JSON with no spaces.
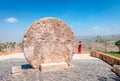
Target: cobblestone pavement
{"x":79,"y":70}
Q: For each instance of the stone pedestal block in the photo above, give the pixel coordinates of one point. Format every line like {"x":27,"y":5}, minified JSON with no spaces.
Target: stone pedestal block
{"x":53,"y":66}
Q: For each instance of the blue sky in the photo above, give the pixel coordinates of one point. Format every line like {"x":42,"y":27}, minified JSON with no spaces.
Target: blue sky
{"x":85,"y":17}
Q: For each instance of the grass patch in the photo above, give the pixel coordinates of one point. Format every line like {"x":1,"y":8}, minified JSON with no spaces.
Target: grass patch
{"x":116,"y":54}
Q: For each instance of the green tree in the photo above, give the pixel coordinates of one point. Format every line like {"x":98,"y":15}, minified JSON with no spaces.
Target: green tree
{"x":98,"y":39}
{"x":1,"y":47}
{"x":21,"y":45}
{"x":105,"y":42}
{"x":12,"y":45}
{"x":4,"y":46}
{"x":7,"y":47}
{"x":117,"y":43}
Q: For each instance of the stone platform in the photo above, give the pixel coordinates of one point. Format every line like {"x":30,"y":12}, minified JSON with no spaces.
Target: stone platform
{"x":82,"y":68}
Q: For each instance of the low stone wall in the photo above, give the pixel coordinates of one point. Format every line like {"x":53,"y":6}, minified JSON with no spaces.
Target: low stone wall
{"x":112,"y":60}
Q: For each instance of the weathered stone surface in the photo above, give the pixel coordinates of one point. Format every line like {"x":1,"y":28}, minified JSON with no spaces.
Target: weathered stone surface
{"x":53,"y":66}
{"x":48,"y":40}
{"x":16,"y":69}
{"x":116,"y":69}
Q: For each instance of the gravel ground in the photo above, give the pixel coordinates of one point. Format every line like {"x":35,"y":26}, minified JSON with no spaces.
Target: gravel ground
{"x":80,"y":69}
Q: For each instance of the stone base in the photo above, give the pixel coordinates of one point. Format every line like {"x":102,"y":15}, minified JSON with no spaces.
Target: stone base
{"x":53,"y":66}
{"x":116,"y":69}
{"x":16,"y":70}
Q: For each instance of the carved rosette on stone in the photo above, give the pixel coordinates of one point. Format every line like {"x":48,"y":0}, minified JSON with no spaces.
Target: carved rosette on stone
{"x":48,"y":40}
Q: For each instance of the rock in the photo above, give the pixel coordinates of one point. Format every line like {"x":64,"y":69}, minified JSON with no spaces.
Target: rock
{"x":16,"y":69}
{"x":48,"y":40}
{"x":116,"y":69}
{"x":53,"y":67}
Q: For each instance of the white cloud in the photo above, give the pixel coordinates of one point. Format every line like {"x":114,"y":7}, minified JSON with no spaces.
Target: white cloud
{"x":11,"y":20}
{"x":96,"y":28}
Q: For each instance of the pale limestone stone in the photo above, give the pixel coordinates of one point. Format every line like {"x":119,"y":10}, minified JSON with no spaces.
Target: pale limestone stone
{"x":16,"y":69}
{"x":59,"y":66}
{"x":48,"y":40}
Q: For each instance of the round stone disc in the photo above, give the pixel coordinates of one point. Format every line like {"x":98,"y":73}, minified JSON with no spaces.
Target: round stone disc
{"x":48,"y":40}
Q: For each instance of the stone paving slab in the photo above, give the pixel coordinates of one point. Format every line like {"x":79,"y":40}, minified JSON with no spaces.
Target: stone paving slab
{"x":81,"y":69}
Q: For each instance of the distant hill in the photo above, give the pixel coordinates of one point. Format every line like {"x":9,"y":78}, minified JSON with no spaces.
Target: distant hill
{"x":89,"y":42}
{"x":93,"y":38}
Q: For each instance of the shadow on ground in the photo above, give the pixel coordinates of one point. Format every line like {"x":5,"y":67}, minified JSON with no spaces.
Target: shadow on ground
{"x":26,"y":66}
